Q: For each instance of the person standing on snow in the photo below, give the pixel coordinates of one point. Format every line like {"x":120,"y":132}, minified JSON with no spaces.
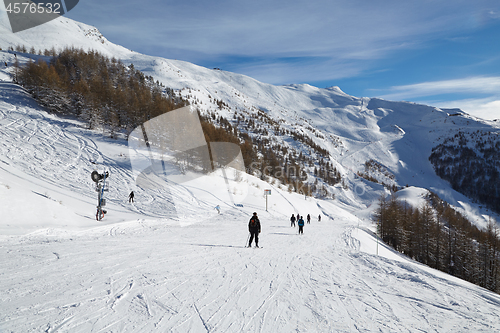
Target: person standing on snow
{"x":292,"y":220}
{"x":308,"y":219}
{"x":131,"y":197}
{"x":254,"y":229}
{"x":300,"y":222}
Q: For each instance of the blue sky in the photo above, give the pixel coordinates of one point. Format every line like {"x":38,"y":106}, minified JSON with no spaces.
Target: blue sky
{"x":444,"y":53}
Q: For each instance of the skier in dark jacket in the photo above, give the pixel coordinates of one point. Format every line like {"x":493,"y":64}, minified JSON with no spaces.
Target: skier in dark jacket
{"x":308,"y":219}
{"x":300,"y":222}
{"x":131,"y":197}
{"x":292,"y":220}
{"x":254,"y":229}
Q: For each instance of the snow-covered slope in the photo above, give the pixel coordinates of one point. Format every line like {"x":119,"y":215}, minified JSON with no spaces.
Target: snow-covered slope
{"x":169,"y":262}
{"x":143,"y":268}
{"x":58,"y":34}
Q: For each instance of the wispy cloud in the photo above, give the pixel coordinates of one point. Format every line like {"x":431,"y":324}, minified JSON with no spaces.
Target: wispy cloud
{"x":485,"y":104}
{"x":471,"y":85}
{"x":485,"y":108}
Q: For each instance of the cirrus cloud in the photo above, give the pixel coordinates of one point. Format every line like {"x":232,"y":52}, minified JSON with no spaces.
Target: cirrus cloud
{"x":470,"y":85}
{"x":484,"y":107}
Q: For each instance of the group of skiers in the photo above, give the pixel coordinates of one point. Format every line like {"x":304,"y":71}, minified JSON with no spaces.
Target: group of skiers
{"x":254,"y":226}
{"x":254,"y":223}
{"x":300,"y":221}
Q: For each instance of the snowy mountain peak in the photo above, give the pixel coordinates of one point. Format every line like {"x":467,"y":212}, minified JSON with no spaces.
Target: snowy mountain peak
{"x":336,"y":89}
{"x":60,"y":33}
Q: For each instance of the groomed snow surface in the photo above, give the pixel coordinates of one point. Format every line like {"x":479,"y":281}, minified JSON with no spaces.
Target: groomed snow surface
{"x":170,"y":263}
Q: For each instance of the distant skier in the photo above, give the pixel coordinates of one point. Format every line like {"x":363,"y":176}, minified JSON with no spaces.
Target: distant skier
{"x":300,"y":222}
{"x":218,"y":209}
{"x":319,"y":218}
{"x":308,"y":219}
{"x":292,"y":220}
{"x":254,"y":229}
{"x":131,"y":197}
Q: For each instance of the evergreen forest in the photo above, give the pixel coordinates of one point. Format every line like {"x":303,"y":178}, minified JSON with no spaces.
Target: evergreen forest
{"x":440,"y":237}
{"x":471,"y":163}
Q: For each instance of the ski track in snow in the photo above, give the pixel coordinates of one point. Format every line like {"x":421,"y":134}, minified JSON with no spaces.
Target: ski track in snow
{"x":56,"y":152}
{"x":151,"y":276}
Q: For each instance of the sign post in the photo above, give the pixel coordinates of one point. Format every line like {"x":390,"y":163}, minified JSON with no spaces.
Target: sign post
{"x":266,"y":193}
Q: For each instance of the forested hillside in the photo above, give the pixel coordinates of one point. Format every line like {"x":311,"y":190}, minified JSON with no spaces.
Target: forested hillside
{"x":471,"y":163}
{"x":440,"y":237}
{"x":101,"y":91}
{"x":107,"y":94}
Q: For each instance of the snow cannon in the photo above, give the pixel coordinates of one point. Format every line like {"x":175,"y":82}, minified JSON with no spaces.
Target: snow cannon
{"x":101,"y":186}
{"x":97,"y":177}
